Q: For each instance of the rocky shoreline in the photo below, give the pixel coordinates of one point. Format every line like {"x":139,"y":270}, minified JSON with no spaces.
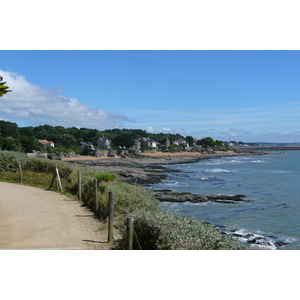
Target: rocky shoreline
{"x":147,"y":170}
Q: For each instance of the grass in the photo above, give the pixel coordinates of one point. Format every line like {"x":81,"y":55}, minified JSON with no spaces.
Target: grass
{"x":155,"y":228}
{"x":105,"y":176}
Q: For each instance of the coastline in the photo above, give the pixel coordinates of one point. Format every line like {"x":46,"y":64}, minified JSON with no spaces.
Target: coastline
{"x":147,"y":169}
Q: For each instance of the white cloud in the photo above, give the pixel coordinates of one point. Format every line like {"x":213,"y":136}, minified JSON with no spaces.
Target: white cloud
{"x":166,"y":130}
{"x":35,"y":105}
{"x":149,"y":129}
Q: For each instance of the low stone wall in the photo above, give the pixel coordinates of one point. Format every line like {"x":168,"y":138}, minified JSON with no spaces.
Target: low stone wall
{"x":150,"y":151}
{"x":40,"y":155}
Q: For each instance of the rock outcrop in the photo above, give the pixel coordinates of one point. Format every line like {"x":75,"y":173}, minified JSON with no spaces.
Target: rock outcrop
{"x":180,"y":197}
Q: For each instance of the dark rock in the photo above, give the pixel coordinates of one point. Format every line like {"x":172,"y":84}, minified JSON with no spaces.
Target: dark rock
{"x":176,"y":196}
{"x":281,"y":243}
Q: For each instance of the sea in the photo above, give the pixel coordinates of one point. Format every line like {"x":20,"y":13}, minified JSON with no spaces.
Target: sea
{"x":272,"y":221}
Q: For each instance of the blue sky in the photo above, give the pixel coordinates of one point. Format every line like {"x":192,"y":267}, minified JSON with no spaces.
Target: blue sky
{"x":248,"y":96}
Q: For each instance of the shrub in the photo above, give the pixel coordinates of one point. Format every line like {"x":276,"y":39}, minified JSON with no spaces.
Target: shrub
{"x":105,"y":176}
{"x":9,"y":160}
{"x":163,"y":230}
{"x":46,"y":166}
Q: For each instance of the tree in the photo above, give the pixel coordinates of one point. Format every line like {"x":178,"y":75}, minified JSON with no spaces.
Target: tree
{"x":29,"y":143}
{"x":206,"y":142}
{"x":123,"y":140}
{"x":3,"y":88}
{"x":10,"y":144}
{"x":190,"y":140}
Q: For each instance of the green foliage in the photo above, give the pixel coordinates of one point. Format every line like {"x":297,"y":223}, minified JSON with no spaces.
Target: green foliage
{"x":9,"y":160}
{"x":105,"y":176}
{"x":29,"y":143}
{"x":40,"y":165}
{"x":4,"y":89}
{"x":11,"y":144}
{"x":130,"y":198}
{"x":69,"y":138}
{"x":206,"y":142}
{"x":190,"y":140}
{"x":176,"y":148}
{"x":123,"y":140}
{"x":163,"y":230}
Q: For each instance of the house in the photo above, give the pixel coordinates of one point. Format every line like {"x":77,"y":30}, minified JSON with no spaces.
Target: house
{"x":150,"y":143}
{"x":46,"y":143}
{"x":137,"y":145}
{"x":104,"y":143}
{"x":167,"y":143}
{"x":181,"y":142}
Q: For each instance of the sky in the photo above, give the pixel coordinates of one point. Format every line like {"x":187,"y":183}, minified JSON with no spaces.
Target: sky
{"x":249,"y":96}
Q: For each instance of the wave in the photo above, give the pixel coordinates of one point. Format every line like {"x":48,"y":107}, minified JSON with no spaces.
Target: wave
{"x":212,"y":163}
{"x":279,"y":171}
{"x":218,"y":170}
{"x":258,"y":240}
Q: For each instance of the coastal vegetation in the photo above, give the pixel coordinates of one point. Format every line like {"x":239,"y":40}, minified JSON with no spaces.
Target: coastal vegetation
{"x":25,"y":139}
{"x":155,"y":227}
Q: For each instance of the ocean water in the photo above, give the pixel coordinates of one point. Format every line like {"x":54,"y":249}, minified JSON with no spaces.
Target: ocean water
{"x":271,"y":222}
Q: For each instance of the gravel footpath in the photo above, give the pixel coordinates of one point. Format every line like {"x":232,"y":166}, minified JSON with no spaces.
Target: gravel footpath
{"x":33,"y":218}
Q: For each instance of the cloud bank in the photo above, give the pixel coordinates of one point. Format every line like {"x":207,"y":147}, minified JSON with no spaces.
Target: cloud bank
{"x":33,"y":105}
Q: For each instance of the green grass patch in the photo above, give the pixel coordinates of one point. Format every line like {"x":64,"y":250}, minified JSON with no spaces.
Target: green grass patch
{"x":105,"y":176}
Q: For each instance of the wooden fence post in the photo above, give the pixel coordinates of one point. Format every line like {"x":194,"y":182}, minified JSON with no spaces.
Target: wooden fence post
{"x":96,"y":195}
{"x":57,"y":177}
{"x":130,"y":223}
{"x":21,"y":174}
{"x":111,"y":216}
{"x":79,"y":186}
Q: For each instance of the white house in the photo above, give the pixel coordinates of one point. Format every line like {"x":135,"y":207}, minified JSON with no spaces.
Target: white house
{"x":104,"y":143}
{"x":151,"y":143}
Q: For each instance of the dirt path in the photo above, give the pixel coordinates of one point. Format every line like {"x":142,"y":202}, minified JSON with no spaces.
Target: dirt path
{"x":33,"y":218}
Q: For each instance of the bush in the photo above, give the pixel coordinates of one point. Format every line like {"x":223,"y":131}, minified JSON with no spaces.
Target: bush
{"x":9,"y":160}
{"x":163,"y":230}
{"x":46,"y":166}
{"x":105,"y":176}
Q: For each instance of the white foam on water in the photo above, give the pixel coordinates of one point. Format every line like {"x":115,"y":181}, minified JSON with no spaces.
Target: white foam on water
{"x":279,"y":172}
{"x":205,"y":178}
{"x":211,"y":163}
{"x":235,"y":161}
{"x":218,"y":170}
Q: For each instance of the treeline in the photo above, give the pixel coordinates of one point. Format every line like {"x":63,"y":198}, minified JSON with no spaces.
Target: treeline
{"x":24,"y":139}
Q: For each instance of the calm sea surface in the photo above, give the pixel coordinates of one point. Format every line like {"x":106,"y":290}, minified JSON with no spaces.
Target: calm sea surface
{"x":271,"y":180}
